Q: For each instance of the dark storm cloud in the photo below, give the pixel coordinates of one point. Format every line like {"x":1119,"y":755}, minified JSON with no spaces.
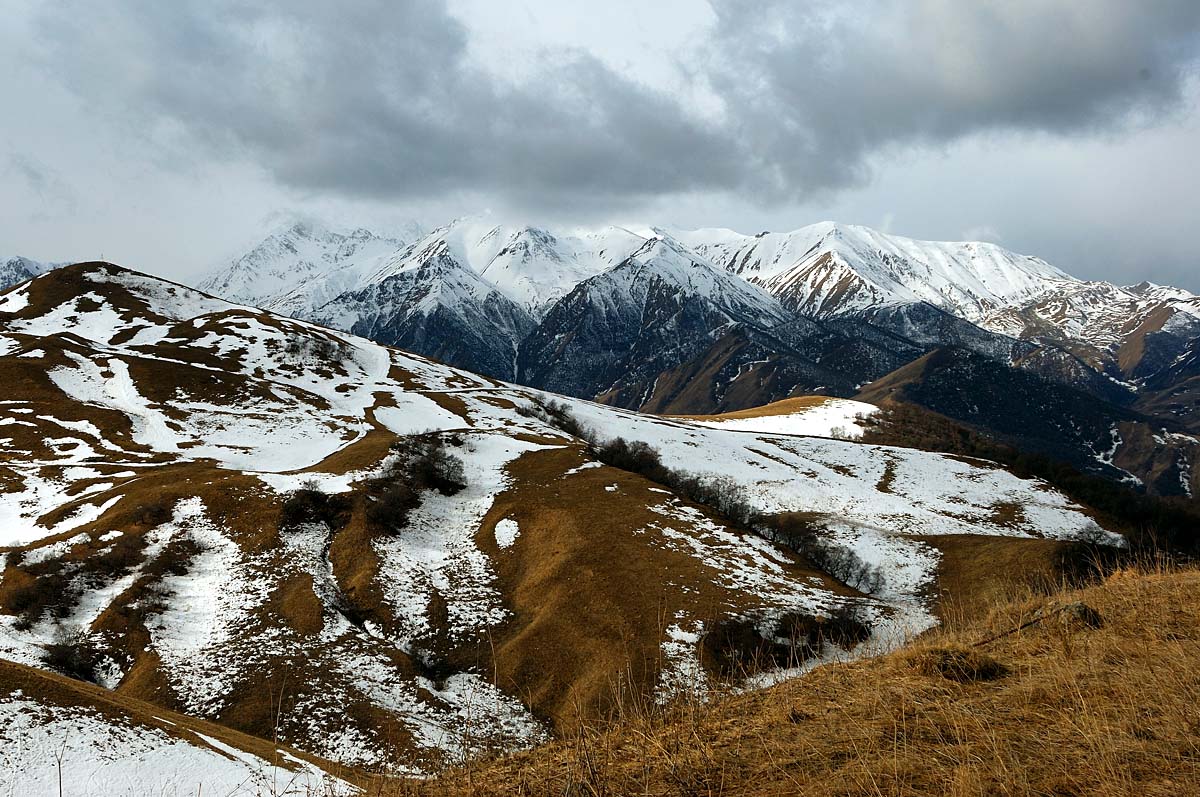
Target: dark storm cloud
{"x":817,"y":93}
{"x":380,"y":99}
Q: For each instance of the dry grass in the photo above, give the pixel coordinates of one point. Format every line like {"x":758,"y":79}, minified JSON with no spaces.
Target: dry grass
{"x":786,"y":406}
{"x":589,"y":596}
{"x":1055,"y":708}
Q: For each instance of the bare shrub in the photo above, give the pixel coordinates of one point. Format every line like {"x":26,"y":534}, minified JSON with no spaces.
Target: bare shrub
{"x":420,"y":462}
{"x":310,"y":505}
{"x":74,"y":654}
{"x":30,"y":591}
{"x":122,"y":555}
{"x":558,"y":415}
{"x":841,"y":562}
{"x":721,"y":493}
{"x":154,"y":514}
{"x":633,"y":456}
{"x":304,"y":347}
{"x":738,"y":647}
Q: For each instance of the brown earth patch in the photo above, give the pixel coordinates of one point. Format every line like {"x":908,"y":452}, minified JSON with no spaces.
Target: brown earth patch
{"x":591,"y":596}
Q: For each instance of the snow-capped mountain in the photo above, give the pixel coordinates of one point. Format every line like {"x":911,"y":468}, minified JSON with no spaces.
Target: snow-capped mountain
{"x":822,"y":271}
{"x":304,"y":264}
{"x":625,"y":335}
{"x":830,"y":269}
{"x":713,"y":320}
{"x":14,"y":270}
{"x":427,"y":300}
{"x":1130,"y":331}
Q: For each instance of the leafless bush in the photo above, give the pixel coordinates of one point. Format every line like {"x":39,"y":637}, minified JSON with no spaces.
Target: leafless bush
{"x":310,"y":505}
{"x":837,"y":560}
{"x":74,"y":654}
{"x":322,"y":349}
{"x":558,"y":415}
{"x":420,"y":462}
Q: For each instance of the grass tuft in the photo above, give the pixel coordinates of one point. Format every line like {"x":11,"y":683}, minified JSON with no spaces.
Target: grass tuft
{"x":958,"y":663}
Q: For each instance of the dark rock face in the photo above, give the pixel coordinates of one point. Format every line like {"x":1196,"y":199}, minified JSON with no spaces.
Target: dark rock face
{"x":439,"y":310}
{"x":1174,"y":391}
{"x":929,"y":327}
{"x":623,"y":328}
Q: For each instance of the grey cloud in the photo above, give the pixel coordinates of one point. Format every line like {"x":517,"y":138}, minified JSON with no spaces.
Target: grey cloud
{"x":43,"y":181}
{"x":379,"y":99}
{"x":821,"y":91}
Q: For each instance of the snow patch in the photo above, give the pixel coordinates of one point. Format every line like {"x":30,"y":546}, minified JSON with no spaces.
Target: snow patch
{"x":506,"y":532}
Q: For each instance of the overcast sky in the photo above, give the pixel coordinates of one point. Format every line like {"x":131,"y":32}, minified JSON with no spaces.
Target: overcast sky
{"x":166,"y":135}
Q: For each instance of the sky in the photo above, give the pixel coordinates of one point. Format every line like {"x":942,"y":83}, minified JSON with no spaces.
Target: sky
{"x":169,"y":136}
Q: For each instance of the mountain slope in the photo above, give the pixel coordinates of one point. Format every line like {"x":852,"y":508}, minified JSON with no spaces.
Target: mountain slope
{"x":1084,"y":709}
{"x":1037,"y":415}
{"x":303,"y":265}
{"x":385,"y":561}
{"x":63,"y":736}
{"x":427,"y":301}
{"x":1093,"y":336}
{"x":1129,"y":332}
{"x":668,"y":332}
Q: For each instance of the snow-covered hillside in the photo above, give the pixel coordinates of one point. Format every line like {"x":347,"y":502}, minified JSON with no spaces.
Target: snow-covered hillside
{"x":204,"y":507}
{"x":61,"y":737}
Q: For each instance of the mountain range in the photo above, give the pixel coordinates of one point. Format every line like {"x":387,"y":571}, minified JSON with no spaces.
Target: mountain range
{"x":702,"y":321}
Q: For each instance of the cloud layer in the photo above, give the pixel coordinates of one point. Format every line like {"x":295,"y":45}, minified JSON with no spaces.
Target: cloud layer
{"x":381,"y":99}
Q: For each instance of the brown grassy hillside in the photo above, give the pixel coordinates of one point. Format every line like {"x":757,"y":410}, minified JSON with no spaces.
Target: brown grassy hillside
{"x":1033,"y":698}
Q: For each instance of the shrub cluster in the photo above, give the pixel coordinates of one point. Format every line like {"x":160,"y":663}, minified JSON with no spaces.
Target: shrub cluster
{"x":73,"y":654}
{"x":725,"y":496}
{"x":736,"y":647}
{"x":325,"y":349}
{"x":33,"y":590}
{"x":794,"y":533}
{"x":310,"y":505}
{"x":419,"y":462}
{"x":558,"y":415}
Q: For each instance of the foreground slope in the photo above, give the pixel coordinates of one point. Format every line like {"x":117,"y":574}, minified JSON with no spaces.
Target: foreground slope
{"x":1090,"y":691}
{"x":385,"y":561}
